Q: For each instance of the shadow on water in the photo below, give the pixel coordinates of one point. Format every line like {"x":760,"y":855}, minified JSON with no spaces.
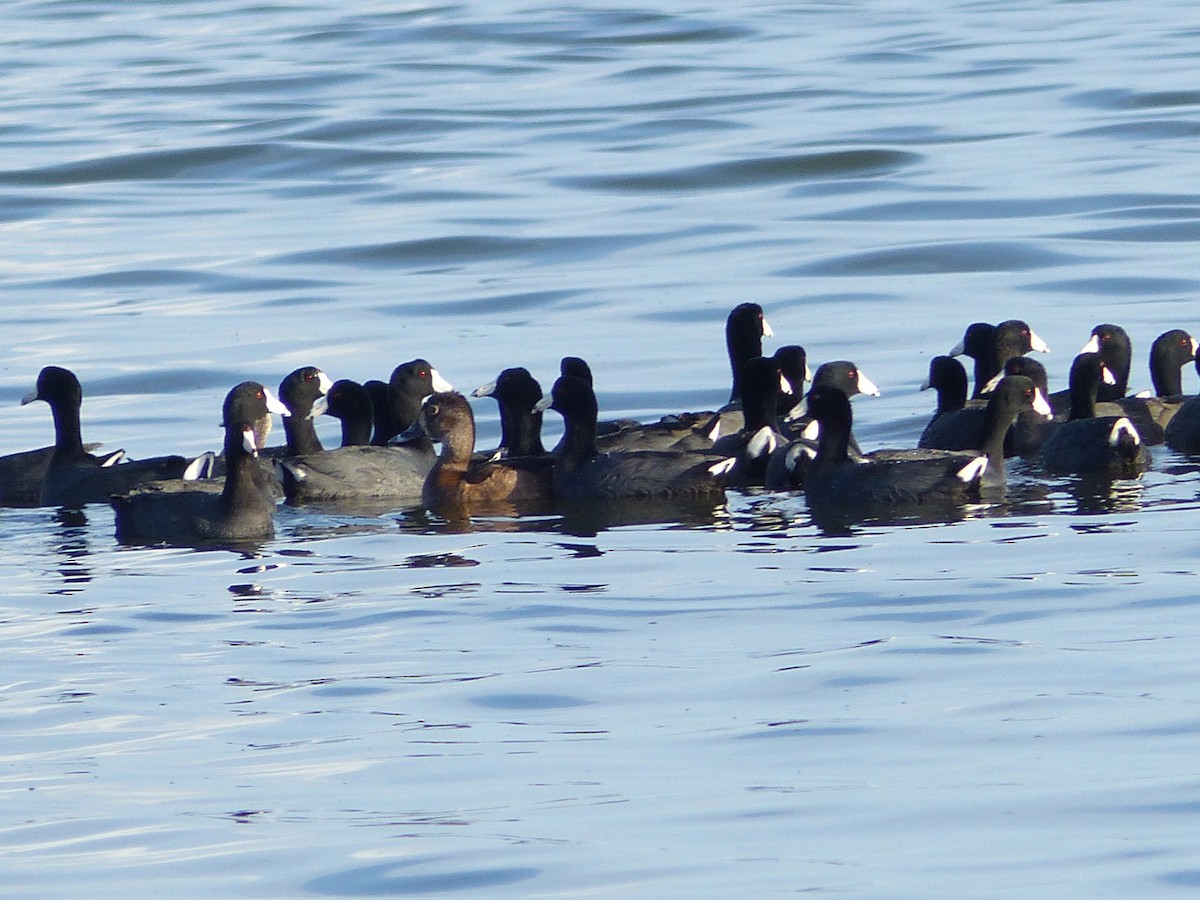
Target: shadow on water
{"x":380,"y":880}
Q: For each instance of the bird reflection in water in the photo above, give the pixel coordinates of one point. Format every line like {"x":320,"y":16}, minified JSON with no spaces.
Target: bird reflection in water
{"x":71,"y":546}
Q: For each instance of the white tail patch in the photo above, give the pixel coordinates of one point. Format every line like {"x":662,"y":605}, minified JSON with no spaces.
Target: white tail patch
{"x":795,"y":452}
{"x":784,"y":384}
{"x":112,"y":459}
{"x":1144,"y":395}
{"x":1040,"y":405}
{"x":1106,"y":375}
{"x":724,"y":467}
{"x":973,"y":470}
{"x":993,"y":384}
{"x":200,"y":468}
{"x":811,"y":431}
{"x":1123,"y":425}
{"x":285,"y":465}
{"x":763,"y":442}
{"x":715,"y":431}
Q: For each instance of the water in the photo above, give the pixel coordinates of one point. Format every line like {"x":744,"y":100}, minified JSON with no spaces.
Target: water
{"x":201,"y":192}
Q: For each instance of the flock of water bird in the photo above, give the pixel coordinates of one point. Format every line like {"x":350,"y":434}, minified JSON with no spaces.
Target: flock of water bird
{"x":772,"y":433}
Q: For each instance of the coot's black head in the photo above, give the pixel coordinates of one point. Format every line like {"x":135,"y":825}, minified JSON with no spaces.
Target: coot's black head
{"x":245,"y":408}
{"x":1108,"y":340}
{"x":56,"y":386}
{"x":829,"y":405}
{"x":1030,"y":368}
{"x":976,"y":341}
{"x":1115,"y":348}
{"x":303,"y":389}
{"x":745,"y":327}
{"x":573,"y":397}
{"x":948,"y":377}
{"x":349,"y":402}
{"x":945,"y":374}
{"x":793,"y":364}
{"x":410,"y":383}
{"x":1170,"y":351}
{"x":845,"y":376}
{"x":515,"y":387}
{"x":1087,"y":372}
{"x":576,"y":367}
{"x":1014,"y":337}
{"x":1018,"y":392}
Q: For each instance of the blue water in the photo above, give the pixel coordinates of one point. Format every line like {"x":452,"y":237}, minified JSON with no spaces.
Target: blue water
{"x":196,"y":193}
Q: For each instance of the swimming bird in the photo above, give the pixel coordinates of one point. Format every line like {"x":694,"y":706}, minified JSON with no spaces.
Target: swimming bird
{"x":516,"y":392}
{"x":74,"y":477}
{"x":990,"y":346}
{"x":394,"y":473}
{"x":1087,"y":443}
{"x":455,"y":483}
{"x":185,"y":513}
{"x":349,"y":403}
{"x":583,"y":473}
{"x":836,"y":483}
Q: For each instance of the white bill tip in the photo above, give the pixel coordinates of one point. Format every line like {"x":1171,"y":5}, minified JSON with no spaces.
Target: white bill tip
{"x":440,"y":384}
{"x":1041,"y":405}
{"x":866,"y":385}
{"x":274,"y":404}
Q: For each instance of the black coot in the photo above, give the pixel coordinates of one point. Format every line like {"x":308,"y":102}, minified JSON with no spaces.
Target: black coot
{"x":835,"y":482}
{"x":584,"y":474}
{"x":516,"y":392}
{"x":1087,"y":443}
{"x":74,"y":477}
{"x":183,"y":513}
{"x":349,"y":403}
{"x":1183,"y":431}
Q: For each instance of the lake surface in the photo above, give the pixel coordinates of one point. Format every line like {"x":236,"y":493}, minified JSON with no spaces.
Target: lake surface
{"x":742,"y":704}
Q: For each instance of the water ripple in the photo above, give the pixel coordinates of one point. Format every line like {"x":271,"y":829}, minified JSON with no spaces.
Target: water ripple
{"x":762,"y":171}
